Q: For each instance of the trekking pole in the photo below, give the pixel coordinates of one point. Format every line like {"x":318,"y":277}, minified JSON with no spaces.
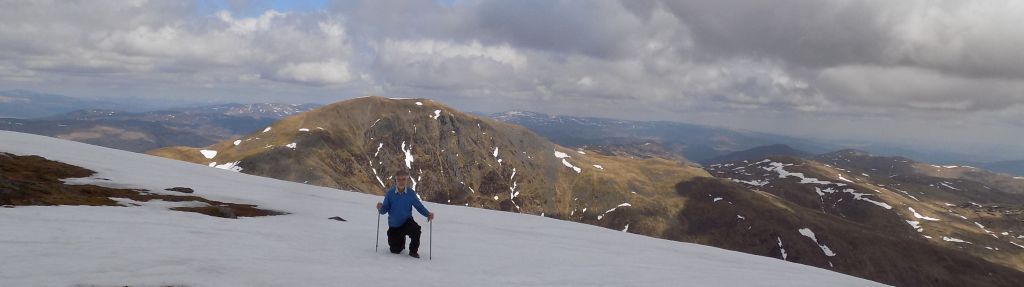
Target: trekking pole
{"x":430,"y":252}
{"x":377,"y":244}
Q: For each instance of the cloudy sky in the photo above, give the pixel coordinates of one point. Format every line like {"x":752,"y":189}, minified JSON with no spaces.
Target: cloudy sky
{"x":936,"y":74}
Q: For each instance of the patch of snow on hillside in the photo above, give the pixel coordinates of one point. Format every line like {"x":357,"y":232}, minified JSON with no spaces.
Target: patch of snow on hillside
{"x":752,"y":182}
{"x":512,"y":189}
{"x":437,"y":114}
{"x":824,"y":249}
{"x":779,"y":168}
{"x":598,"y":166}
{"x":569,"y":165}
{"x":616,"y":207}
{"x":419,"y":103}
{"x":303,"y":130}
{"x":862,"y":197}
{"x":408,"y":155}
{"x":291,"y":145}
{"x":908,"y":194}
{"x":844,"y":179}
{"x":495,"y":152}
{"x":209,"y":154}
{"x":238,"y":142}
{"x":378,"y":149}
{"x":1018,"y":245}
{"x":985,"y":229}
{"x":378,"y":177}
{"x":232,"y":166}
{"x":467,"y":186}
{"x":856,"y":196}
{"x":949,"y":185}
{"x":266,"y":129}
{"x":918,"y":215}
{"x":951,"y":239}
{"x":783,"y":249}
{"x":916,"y":225}
{"x":559,"y":154}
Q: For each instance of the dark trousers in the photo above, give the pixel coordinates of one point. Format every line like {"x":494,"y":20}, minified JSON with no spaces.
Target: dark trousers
{"x":396,"y":237}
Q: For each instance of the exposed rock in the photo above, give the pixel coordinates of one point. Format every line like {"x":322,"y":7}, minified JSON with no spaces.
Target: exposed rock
{"x":180,"y":189}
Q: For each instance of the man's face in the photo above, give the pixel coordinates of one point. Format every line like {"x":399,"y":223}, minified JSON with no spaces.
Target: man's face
{"x":401,"y":180}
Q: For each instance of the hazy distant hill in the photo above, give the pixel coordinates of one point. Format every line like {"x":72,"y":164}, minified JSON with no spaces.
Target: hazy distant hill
{"x":139,"y":132}
{"x":1014,"y":167}
{"x":26,"y":104}
{"x":694,"y":142}
{"x":758,"y":153}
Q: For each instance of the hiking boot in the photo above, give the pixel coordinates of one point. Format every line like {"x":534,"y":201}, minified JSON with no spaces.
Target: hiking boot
{"x":416,"y":255}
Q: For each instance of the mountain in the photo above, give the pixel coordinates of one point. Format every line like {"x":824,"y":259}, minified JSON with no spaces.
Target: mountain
{"x":454,"y":158}
{"x":141,"y":132}
{"x":820,"y":211}
{"x":952,"y":220}
{"x":757,"y":153}
{"x":257,"y":110}
{"x":22,"y":104}
{"x":694,"y":142}
{"x":147,"y":241}
{"x":1013,"y":167}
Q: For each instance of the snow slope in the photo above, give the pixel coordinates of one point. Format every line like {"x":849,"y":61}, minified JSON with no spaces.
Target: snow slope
{"x":149,"y":245}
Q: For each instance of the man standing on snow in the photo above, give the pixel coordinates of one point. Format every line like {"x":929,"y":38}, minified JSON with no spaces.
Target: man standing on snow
{"x":398,"y":203}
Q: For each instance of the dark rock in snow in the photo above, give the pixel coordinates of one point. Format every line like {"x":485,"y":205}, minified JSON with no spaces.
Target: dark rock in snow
{"x":180,"y":189}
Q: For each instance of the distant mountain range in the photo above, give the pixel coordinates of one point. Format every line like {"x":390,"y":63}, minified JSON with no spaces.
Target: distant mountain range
{"x":696,"y":143}
{"x":139,"y":132}
{"x":1014,"y":167}
{"x":757,"y":153}
{"x":706,"y":144}
{"x":22,"y":104}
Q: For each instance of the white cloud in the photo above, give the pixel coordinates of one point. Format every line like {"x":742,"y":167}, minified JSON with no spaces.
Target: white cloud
{"x":915,"y":61}
{"x":151,"y":42}
{"x":332,"y":72}
{"x":434,"y":52}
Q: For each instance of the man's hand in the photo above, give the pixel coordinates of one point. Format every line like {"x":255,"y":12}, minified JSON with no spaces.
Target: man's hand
{"x":430,"y":216}
{"x":379,"y":205}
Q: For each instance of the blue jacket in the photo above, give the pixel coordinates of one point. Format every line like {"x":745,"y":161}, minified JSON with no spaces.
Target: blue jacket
{"x":399,"y":206}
